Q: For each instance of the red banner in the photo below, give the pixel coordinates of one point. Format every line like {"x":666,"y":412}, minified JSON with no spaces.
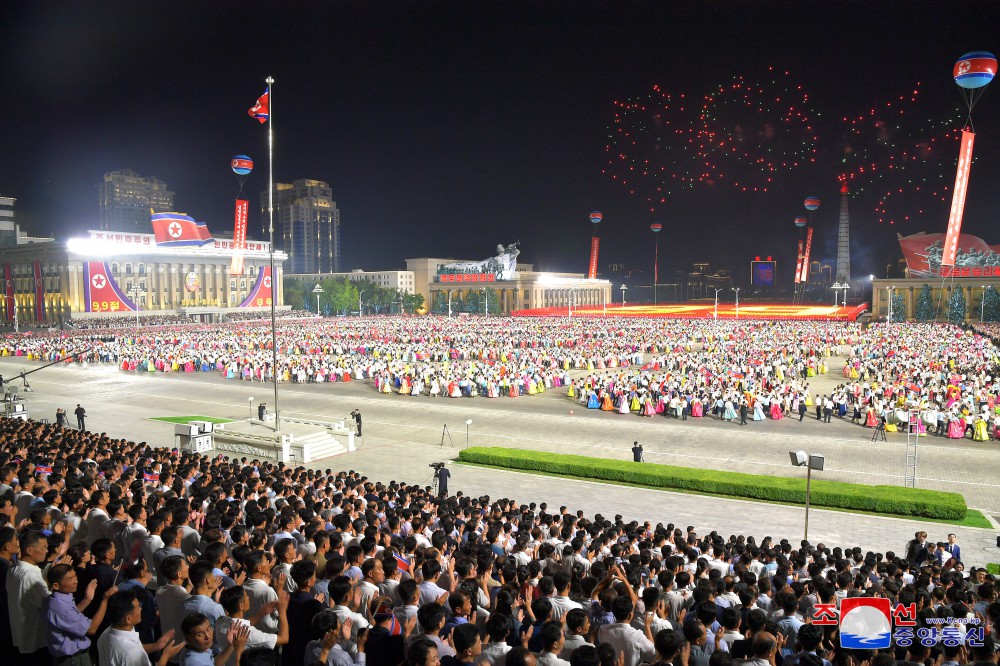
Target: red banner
{"x":260,"y":295}
{"x":239,"y":236}
{"x":101,"y":292}
{"x":467,"y":277}
{"x":798,"y":263}
{"x":36,"y":272}
{"x":958,"y":199}
{"x":595,"y":246}
{"x":8,"y":281}
{"x":805,"y":256}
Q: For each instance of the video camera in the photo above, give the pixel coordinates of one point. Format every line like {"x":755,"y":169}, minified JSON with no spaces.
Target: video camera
{"x":437,"y":465}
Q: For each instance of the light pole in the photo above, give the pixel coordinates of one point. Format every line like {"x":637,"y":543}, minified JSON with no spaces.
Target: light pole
{"x":835,"y":287}
{"x":468,"y":422}
{"x":982,"y":305}
{"x":889,"y":295}
{"x":845,"y":286}
{"x":449,"y":302}
{"x":570,"y":312}
{"x":135,"y":292}
{"x":810,"y":461}
{"x":715,"y":313}
{"x":250,"y":409}
{"x":623,"y":288}
{"x":604,"y":300}
{"x":319,"y":290}
{"x":737,"y":290}
{"x":486,"y":301}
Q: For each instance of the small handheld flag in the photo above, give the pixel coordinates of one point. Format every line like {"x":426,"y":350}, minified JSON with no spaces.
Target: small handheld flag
{"x":262,"y":109}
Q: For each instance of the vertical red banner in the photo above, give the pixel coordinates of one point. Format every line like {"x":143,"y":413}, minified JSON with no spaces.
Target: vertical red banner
{"x":958,"y":199}
{"x":595,"y":246}
{"x":798,"y":263}
{"x":805,"y":256}
{"x":239,"y":236}
{"x":8,"y":281}
{"x":36,"y":271}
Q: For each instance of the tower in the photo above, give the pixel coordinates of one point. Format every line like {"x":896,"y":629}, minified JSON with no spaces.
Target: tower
{"x":844,"y":239}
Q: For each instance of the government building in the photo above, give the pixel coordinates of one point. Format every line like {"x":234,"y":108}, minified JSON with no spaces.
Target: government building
{"x":110,"y":272}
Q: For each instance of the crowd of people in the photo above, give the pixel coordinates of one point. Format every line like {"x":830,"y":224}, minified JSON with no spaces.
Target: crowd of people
{"x":930,"y":378}
{"x":117,"y":552}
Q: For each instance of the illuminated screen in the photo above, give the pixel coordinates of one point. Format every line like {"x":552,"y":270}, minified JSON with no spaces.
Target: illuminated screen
{"x":762,"y":273}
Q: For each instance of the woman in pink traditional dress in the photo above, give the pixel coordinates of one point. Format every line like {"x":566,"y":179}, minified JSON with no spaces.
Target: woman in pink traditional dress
{"x":956,"y":428}
{"x":776,"y":410}
{"x":697,"y":409}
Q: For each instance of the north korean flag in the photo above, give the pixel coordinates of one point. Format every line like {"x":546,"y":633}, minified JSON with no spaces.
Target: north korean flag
{"x":177,"y":230}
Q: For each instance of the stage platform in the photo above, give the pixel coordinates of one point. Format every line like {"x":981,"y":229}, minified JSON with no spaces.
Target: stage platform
{"x":785,"y":311}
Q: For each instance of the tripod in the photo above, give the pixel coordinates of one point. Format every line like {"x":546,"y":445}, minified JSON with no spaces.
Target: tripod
{"x":444,"y":433}
{"x":879,"y":434}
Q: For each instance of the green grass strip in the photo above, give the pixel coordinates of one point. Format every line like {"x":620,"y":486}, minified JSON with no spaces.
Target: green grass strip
{"x":188,"y":419}
{"x":894,"y":500}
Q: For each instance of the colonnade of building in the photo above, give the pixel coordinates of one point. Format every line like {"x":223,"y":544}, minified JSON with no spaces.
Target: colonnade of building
{"x":941,"y":291}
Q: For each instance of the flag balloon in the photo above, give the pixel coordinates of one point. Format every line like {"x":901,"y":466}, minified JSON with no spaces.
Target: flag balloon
{"x":975,"y":69}
{"x":655,"y":227}
{"x":242,"y":165}
{"x":801,"y":222}
{"x":811,"y":203}
{"x":596,"y":216}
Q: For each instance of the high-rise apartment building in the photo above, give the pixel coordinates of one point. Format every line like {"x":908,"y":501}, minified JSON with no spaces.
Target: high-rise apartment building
{"x":8,"y":229}
{"x":306,"y":226}
{"x":126,"y":199}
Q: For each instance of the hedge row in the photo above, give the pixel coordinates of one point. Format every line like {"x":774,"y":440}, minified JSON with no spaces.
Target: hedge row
{"x":893,"y":500}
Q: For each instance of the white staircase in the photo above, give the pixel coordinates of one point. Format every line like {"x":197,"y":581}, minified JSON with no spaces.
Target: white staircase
{"x":318,"y":445}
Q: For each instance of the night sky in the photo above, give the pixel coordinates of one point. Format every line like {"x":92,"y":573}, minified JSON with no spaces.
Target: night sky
{"x":445,"y":128}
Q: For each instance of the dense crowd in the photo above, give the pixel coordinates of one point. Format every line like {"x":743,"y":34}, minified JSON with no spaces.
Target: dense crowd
{"x":116,"y":552}
{"x":930,"y":378}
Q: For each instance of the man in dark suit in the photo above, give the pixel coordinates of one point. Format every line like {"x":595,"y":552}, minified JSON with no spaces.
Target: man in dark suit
{"x":636,"y":452}
{"x":743,"y":413}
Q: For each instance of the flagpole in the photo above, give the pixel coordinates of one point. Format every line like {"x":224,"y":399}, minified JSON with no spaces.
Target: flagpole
{"x":270,"y":214}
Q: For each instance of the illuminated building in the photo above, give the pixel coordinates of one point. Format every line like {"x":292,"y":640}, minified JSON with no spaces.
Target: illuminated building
{"x":126,"y":200}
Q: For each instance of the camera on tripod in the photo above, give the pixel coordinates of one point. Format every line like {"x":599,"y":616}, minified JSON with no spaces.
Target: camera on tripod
{"x":437,"y":465}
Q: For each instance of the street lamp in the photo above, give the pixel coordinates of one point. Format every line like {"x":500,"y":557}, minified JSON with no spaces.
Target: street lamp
{"x":623,"y":288}
{"x":810,"y":461}
{"x":135,"y":292}
{"x":982,"y":305}
{"x":845,"y":286}
{"x":13,"y":305}
{"x":486,"y":301}
{"x":468,"y":422}
{"x":715,"y":314}
{"x":889,"y":291}
{"x":737,"y":290}
{"x":835,"y":287}
{"x":250,"y":408}
{"x":449,"y":302}
{"x":319,"y":290}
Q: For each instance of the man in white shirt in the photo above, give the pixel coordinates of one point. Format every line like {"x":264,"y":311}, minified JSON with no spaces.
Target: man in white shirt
{"x":236,"y":603}
{"x":552,"y":645}
{"x":26,"y":590}
{"x":561,"y":603}
{"x":261,"y":594}
{"x":119,"y":645}
{"x":634,"y":644}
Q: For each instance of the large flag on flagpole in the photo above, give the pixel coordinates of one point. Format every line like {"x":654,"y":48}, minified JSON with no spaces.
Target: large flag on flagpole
{"x":262,"y":109}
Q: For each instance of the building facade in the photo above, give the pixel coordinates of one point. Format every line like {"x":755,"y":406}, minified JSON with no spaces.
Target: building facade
{"x":127,"y":274}
{"x":401,"y":280}
{"x":529,"y":289}
{"x":941,"y":291}
{"x":126,"y":199}
{"x":307,"y":225}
